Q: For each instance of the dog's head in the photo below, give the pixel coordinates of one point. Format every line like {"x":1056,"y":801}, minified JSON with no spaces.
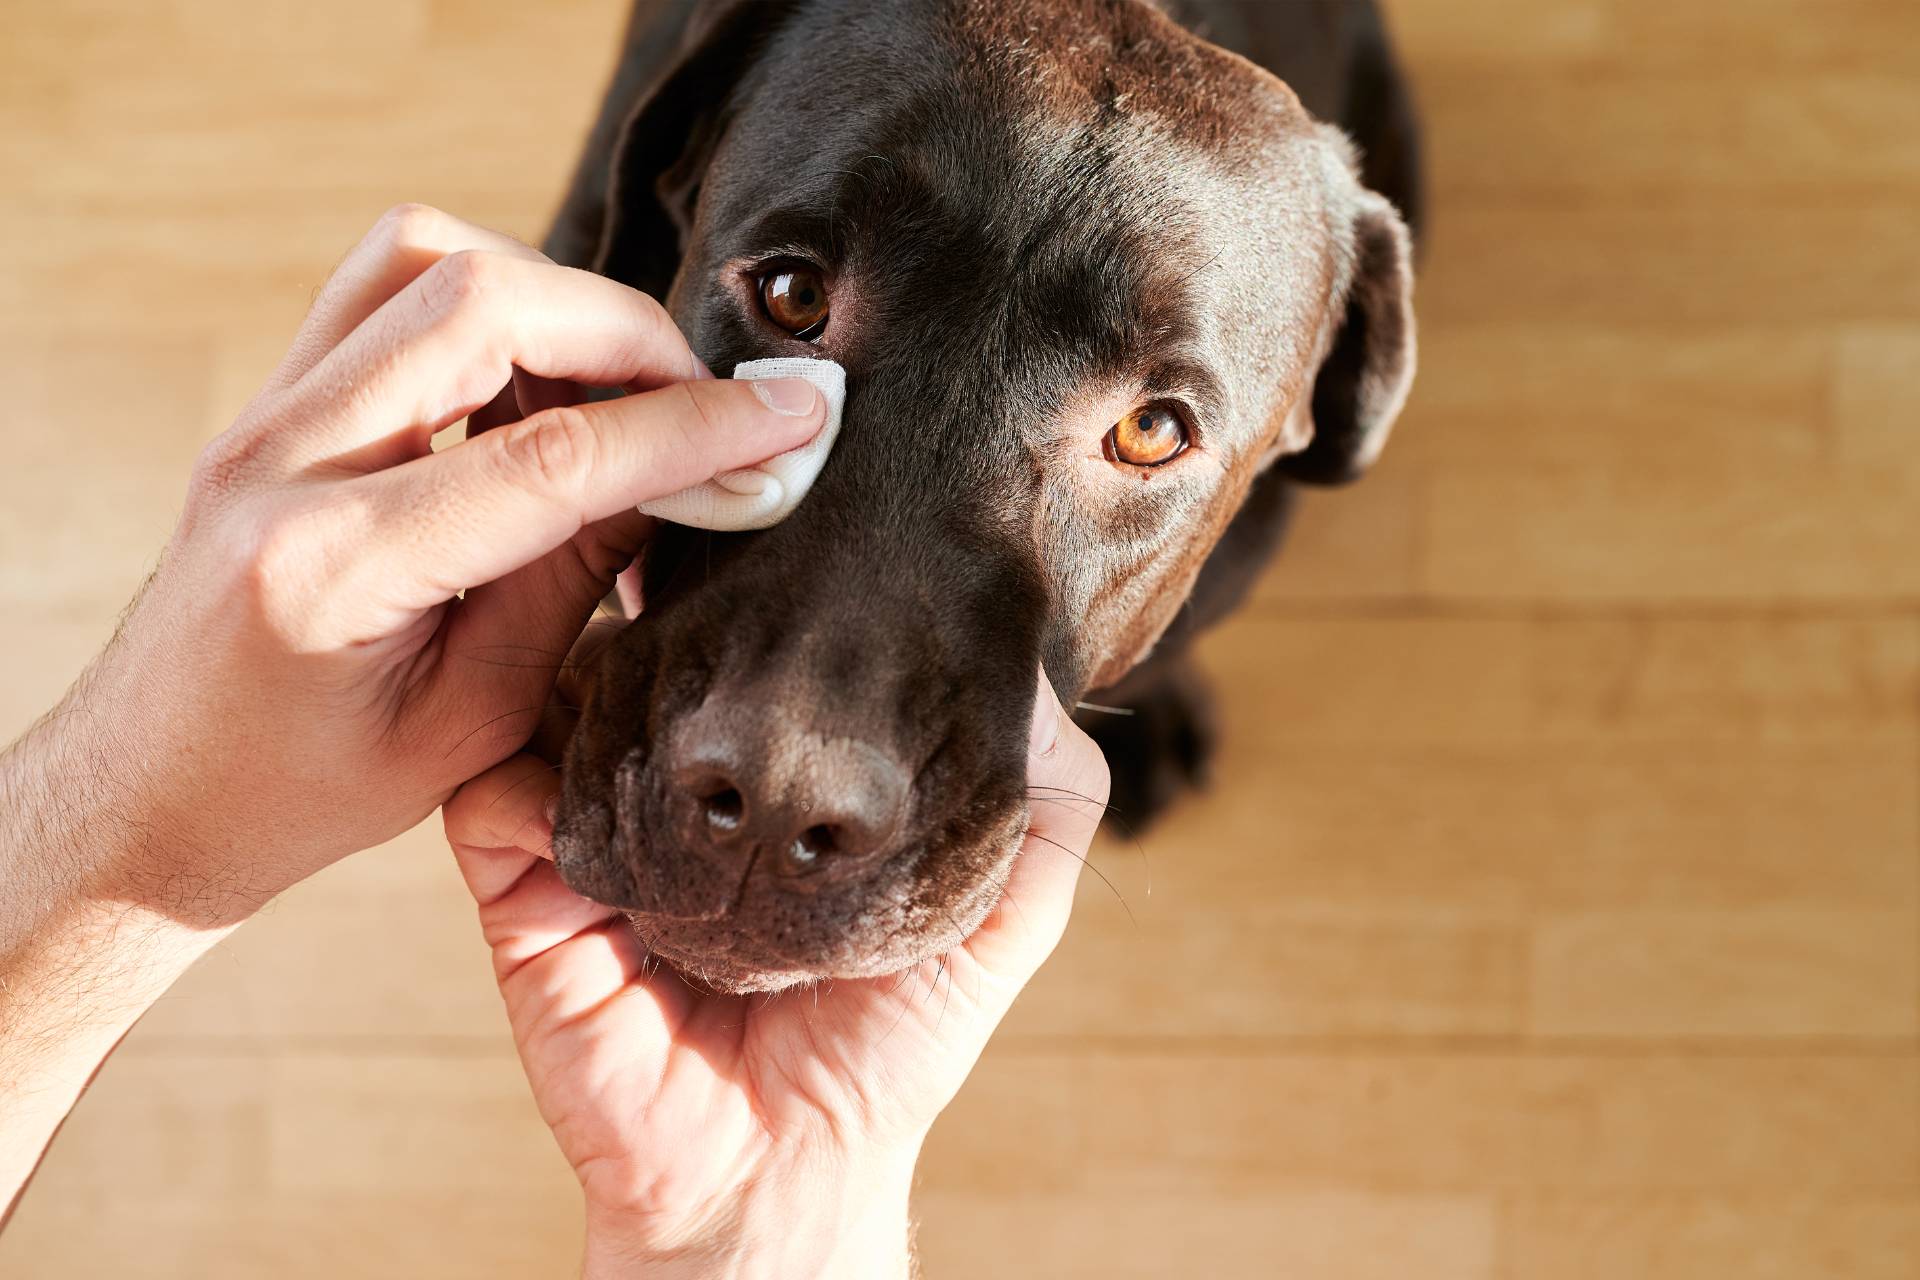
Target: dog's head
{"x":1088,"y":275}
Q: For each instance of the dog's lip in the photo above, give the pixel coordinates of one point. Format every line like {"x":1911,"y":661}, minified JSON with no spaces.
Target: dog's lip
{"x":760,"y":958}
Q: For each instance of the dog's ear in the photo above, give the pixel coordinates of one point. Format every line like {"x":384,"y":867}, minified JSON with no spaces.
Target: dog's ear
{"x":660,"y":154}
{"x":1368,"y":369}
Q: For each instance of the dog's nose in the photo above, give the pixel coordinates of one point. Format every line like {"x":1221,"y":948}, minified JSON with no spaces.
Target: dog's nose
{"x":803,"y":802}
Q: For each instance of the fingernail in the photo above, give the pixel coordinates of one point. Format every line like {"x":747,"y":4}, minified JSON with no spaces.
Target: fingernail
{"x":792,"y":396}
{"x":700,"y":370}
{"x":1044,"y":736}
{"x":552,"y":808}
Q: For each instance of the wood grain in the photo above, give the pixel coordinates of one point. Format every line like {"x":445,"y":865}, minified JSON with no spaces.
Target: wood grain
{"x":1555,"y":912}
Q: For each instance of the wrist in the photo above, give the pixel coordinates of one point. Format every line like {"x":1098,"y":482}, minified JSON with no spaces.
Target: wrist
{"x":78,"y":809}
{"x":117,"y":797}
{"x":821,"y":1216}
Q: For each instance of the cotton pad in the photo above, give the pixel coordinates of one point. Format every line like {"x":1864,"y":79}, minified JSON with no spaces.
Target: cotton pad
{"x":767,"y":494}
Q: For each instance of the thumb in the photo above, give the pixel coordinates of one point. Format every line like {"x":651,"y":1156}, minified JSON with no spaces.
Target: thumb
{"x":1067,"y":796}
{"x":500,"y":501}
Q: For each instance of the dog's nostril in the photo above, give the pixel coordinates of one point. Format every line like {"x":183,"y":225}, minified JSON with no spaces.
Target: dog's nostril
{"x":808,"y":848}
{"x":724,"y":809}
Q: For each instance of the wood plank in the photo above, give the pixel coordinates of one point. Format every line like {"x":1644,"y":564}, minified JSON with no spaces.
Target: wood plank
{"x":1642,"y":132}
{"x":1435,"y":680}
{"x":1841,"y":534}
{"x":1866,"y":36}
{"x":1685,"y":257}
{"x":101,"y":431}
{"x":1553,"y":913}
{"x":1473,"y":827}
{"x":1332,"y":1235}
{"x":376,"y":1234}
{"x":392,"y":931}
{"x":1876,"y":395}
{"x":424,"y":1123}
{"x":1686,"y":1237}
{"x":1124,"y":1127}
{"x":1626,"y":398}
{"x":1700,"y":973}
{"x":1353,"y":545}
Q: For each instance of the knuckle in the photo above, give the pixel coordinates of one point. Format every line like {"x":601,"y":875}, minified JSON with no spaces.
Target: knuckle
{"x":653,"y":326}
{"x":279,"y":555}
{"x":295,"y":564}
{"x":462,"y":280}
{"x":555,"y":448}
{"x":224,"y":464}
{"x":407,"y":223}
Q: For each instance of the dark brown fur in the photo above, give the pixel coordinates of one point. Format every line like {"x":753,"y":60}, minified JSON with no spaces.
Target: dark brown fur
{"x":1035,"y":214}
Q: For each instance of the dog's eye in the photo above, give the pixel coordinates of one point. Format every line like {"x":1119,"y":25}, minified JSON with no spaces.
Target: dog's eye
{"x":795,"y":298}
{"x":1148,"y":437}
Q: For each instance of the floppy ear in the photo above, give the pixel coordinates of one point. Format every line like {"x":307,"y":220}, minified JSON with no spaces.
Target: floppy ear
{"x":640,"y":184}
{"x":1364,"y":380}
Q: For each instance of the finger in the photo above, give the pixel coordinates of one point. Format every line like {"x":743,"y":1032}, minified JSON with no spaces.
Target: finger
{"x":484,"y":508}
{"x":507,"y":642}
{"x":632,"y":597}
{"x":497,"y":412}
{"x":498,"y":824}
{"x":522,"y":397}
{"x":534,"y":394}
{"x":1068,"y":785}
{"x":580,"y":976}
{"x":408,"y":239}
{"x":446,"y":344}
{"x":539,"y":913}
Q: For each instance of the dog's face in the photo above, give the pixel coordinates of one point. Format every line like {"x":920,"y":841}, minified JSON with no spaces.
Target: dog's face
{"x":1087,"y":275}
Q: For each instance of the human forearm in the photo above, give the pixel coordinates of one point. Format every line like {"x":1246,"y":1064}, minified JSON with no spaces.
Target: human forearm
{"x":86,"y":944}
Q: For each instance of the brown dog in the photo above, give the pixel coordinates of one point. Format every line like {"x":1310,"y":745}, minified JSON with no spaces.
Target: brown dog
{"x":1104,"y":291}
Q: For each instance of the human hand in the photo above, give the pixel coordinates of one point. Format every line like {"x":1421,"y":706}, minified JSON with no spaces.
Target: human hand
{"x":303,"y":677}
{"x":747,"y":1135}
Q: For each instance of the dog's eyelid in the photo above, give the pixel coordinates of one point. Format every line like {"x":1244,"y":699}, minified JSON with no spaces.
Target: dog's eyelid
{"x":1186,"y":381}
{"x":1179,"y":405}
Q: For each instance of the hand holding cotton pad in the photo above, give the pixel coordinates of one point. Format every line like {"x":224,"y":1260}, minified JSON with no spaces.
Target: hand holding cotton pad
{"x":761,"y":496}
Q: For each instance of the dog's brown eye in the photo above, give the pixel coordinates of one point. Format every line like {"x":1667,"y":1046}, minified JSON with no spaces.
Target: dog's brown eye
{"x":1147,"y":437}
{"x":796,"y":300}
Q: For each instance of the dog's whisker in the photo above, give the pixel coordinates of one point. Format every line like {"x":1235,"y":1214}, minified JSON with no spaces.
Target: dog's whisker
{"x":1204,"y":267}
{"x":1108,"y":810}
{"x":532,"y":777}
{"x":505,"y":715}
{"x":1103,"y":710}
{"x":906,"y":1001}
{"x":522,"y":648}
{"x":1088,"y":864}
{"x":946,"y":969}
{"x":960,"y":942}
{"x":525,"y":666}
{"x":1065,"y":795}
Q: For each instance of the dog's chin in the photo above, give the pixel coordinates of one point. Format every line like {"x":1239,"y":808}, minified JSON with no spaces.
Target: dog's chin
{"x":732,"y":955}
{"x":761,"y":947}
{"x":716,"y":955}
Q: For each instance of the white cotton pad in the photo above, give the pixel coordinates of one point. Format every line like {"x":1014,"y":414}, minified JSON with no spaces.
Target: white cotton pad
{"x":767,"y":494}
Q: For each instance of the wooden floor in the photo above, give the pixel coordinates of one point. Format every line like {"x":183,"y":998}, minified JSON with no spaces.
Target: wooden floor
{"x":1557,"y":912}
